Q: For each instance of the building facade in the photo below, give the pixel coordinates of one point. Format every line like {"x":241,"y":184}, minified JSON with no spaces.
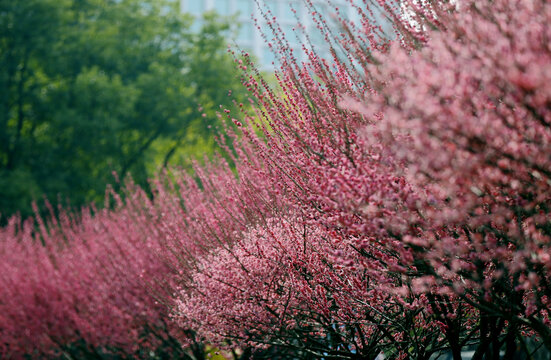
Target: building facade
{"x":288,"y":14}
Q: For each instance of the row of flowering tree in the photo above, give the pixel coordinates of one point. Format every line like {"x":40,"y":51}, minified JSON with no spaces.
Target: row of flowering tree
{"x":391,"y":200}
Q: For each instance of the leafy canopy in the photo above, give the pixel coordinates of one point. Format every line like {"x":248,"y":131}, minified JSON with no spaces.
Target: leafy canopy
{"x":92,"y":87}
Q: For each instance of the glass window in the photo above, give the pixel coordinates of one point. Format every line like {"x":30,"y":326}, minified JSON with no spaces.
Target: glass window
{"x":245,"y":8}
{"x":322,"y":9}
{"x":299,"y":54}
{"x":222,"y":7}
{"x":290,"y":35}
{"x":196,"y":26}
{"x":245,"y":32}
{"x":343,"y":7}
{"x":195,"y":7}
{"x":287,"y":11}
{"x":317,"y":38}
{"x":272,"y":6}
{"x":268,"y":56}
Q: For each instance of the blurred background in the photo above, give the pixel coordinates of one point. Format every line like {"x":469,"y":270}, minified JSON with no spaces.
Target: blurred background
{"x":92,"y":88}
{"x":254,"y":31}
{"x":89,"y":88}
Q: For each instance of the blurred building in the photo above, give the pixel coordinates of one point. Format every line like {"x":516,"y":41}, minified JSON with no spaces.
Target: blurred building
{"x":249,"y":38}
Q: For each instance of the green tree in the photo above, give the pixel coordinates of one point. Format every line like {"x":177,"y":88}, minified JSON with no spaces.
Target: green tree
{"x":92,"y":87}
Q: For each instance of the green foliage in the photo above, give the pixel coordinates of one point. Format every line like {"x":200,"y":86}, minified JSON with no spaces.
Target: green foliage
{"x":92,"y":87}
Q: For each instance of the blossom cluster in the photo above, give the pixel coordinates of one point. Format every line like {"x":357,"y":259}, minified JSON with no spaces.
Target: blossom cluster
{"x":417,"y":173}
{"x":390,"y":200}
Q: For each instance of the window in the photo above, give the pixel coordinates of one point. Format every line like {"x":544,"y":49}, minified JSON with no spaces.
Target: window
{"x":268,"y":56}
{"x":272,"y":6}
{"x":222,"y":7}
{"x":245,"y":32}
{"x":245,"y":8}
{"x":323,"y":10}
{"x":287,"y":13}
{"x":290,"y":35}
{"x":317,"y":37}
{"x":195,"y":7}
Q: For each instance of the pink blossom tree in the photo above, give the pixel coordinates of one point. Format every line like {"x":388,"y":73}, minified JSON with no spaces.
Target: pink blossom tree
{"x":467,"y":119}
{"x":332,"y":290}
{"x":102,"y":283}
{"x":77,"y":288}
{"x":392,"y":199}
{"x":424,"y":164}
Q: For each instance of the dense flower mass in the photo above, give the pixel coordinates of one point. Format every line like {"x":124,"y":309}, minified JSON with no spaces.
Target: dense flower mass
{"x":478,"y":146}
{"x":392,"y":200}
{"x":425,"y":165}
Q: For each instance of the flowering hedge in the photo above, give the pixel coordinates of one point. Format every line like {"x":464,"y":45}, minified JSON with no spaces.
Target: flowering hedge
{"x":417,"y":178}
{"x":393,"y":199}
